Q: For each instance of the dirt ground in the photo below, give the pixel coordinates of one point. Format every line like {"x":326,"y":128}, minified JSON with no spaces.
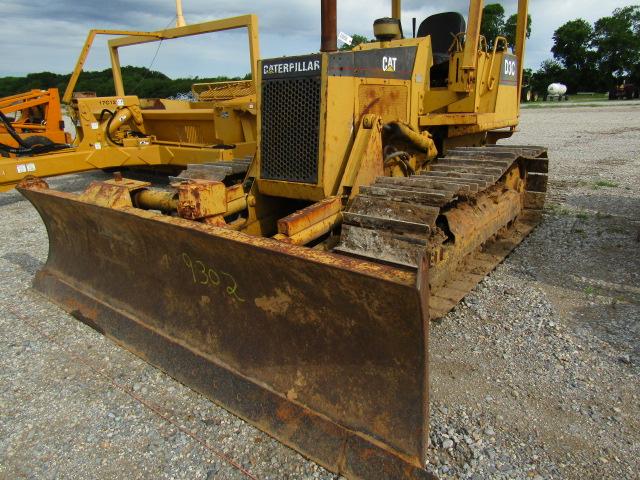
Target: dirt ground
{"x":538,"y":368}
{"x":535,"y":375}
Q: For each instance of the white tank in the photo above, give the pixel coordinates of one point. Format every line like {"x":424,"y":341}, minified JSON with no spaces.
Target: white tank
{"x":557,"y":89}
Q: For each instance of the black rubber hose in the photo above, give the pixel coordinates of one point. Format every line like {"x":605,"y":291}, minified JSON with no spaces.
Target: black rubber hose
{"x":48,"y":148}
{"x":22,"y":152}
{"x":9,"y":149}
{"x":11,"y":130}
{"x":25,"y":149}
{"x":105,"y":110}
{"x":113,"y":114}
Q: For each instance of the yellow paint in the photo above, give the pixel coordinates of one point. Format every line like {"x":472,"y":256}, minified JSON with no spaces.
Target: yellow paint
{"x":473,"y":101}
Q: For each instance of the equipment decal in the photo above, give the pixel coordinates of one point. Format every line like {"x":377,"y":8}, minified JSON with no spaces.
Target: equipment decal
{"x":389,"y":64}
{"x":26,"y":167}
{"x":509,"y":70}
{"x":306,"y":66}
{"x":393,"y":63}
{"x":292,"y":67}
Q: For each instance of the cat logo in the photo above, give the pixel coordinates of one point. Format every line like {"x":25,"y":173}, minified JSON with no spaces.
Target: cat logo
{"x":389,"y":64}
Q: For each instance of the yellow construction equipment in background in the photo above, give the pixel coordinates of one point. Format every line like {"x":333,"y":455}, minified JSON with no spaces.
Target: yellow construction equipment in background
{"x":31,"y":123}
{"x":300,"y":299}
{"x":158,"y":135}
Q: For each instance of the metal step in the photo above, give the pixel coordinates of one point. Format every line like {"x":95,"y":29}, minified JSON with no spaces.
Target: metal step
{"x":217,"y":171}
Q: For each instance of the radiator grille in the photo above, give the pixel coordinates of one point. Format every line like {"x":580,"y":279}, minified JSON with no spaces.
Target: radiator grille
{"x":290,"y":129}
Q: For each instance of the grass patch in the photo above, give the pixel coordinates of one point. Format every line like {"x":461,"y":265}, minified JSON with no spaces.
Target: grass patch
{"x":563,"y":211}
{"x":558,"y":209}
{"x":576,"y":98}
{"x":589,"y":97}
{"x":572,"y":103}
{"x":604,"y":184}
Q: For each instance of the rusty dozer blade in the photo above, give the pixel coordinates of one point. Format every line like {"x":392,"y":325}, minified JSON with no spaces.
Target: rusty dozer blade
{"x":327,"y":354}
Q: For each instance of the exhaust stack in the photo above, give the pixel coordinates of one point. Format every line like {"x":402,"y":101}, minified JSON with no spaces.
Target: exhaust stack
{"x":180,"y":22}
{"x":396,"y":9}
{"x":329,"y":26}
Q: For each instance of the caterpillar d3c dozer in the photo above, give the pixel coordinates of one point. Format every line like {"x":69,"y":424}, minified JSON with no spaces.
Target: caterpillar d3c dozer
{"x":153,"y":135}
{"x":300,"y":299}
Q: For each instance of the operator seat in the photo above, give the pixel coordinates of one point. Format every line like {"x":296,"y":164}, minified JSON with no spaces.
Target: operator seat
{"x":442,"y":27}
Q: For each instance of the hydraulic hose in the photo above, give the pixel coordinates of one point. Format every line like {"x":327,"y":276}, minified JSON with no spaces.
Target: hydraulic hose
{"x":23,"y":148}
{"x":105,"y":110}
{"x":23,"y":152}
{"x":108,"y":129}
{"x":11,"y":131}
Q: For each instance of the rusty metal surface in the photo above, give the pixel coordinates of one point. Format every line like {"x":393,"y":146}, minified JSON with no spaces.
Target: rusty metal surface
{"x":329,"y":26}
{"x":107,"y":194}
{"x":308,"y":216}
{"x":326,"y":353}
{"x":156,"y":199}
{"x":207,"y":92}
{"x":33,"y":183}
{"x":388,"y":101}
{"x":477,"y":192}
{"x":198,"y":199}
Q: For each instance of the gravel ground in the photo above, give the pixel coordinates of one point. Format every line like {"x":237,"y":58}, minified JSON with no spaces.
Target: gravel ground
{"x":534,"y":376}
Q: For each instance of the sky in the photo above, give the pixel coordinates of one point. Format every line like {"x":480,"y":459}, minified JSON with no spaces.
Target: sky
{"x":45,"y":35}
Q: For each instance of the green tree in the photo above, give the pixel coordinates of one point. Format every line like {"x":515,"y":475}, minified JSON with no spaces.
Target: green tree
{"x":510,"y":28}
{"x":137,"y":81}
{"x":493,"y":24}
{"x":634,"y":75}
{"x":617,"y":42}
{"x":549,"y":72}
{"x":572,"y":48}
{"x":357,"y":40}
{"x":571,"y":43}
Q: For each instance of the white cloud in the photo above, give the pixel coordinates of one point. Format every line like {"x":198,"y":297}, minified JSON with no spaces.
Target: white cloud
{"x":43,"y":35}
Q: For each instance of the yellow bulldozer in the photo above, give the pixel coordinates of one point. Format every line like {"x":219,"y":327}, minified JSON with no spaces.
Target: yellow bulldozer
{"x":300,"y":298}
{"x":218,"y":129}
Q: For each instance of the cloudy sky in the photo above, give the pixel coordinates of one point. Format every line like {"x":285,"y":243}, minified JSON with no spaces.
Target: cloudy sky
{"x":47,"y":35}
